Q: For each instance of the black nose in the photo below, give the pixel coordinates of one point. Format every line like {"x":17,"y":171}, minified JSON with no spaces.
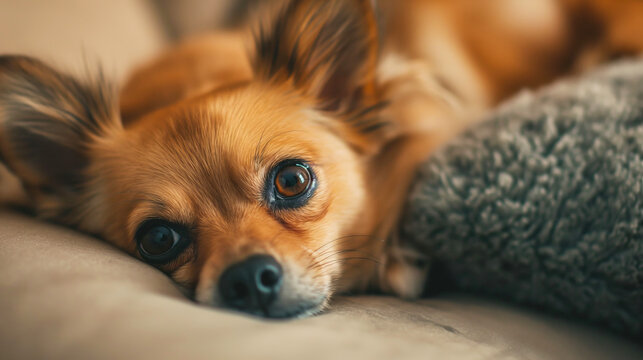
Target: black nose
{"x":252,"y":284}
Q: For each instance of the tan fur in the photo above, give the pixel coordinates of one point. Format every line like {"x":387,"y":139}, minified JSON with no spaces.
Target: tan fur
{"x":202,"y":126}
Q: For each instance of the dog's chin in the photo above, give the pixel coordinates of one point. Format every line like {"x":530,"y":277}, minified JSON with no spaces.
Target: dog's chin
{"x":296,"y":312}
{"x":287,"y":306}
{"x":291,"y":311}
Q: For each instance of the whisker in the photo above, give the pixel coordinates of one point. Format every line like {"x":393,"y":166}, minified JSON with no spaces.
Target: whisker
{"x":341,"y":261}
{"x":333,"y":251}
{"x":327,"y":261}
{"x":336,"y":240}
{"x":344,"y":241}
{"x":340,"y":253}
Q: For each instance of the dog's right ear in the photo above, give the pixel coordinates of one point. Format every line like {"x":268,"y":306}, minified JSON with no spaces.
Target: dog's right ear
{"x":328,"y":49}
{"x":48,"y":120}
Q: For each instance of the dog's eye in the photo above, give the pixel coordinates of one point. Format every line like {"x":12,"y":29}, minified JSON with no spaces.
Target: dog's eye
{"x":160,"y":241}
{"x":290,"y":185}
{"x":292,"y":181}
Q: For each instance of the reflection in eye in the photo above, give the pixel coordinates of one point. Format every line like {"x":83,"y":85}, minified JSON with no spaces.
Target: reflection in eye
{"x":160,"y":241}
{"x":292,"y":181}
{"x":290,"y":185}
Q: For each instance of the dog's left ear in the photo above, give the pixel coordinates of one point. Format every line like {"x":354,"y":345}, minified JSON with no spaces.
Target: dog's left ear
{"x":48,"y":122}
{"x":327,"y":49}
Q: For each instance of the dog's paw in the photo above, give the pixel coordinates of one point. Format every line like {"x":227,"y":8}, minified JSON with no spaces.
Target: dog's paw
{"x":11,"y":190}
{"x":405,"y":274}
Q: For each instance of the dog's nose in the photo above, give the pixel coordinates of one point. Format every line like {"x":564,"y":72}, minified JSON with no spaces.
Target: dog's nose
{"x":252,"y":284}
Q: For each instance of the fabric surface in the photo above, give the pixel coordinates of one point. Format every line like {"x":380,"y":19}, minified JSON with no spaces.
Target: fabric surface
{"x":67,"y":296}
{"x":542,"y":203}
{"x":79,"y":34}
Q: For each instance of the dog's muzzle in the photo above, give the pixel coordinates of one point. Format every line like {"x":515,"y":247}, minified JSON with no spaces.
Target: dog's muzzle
{"x":252,"y":285}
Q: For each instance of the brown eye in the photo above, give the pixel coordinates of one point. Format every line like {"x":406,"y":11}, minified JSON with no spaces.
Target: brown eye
{"x":290,"y":185}
{"x":292,"y":181}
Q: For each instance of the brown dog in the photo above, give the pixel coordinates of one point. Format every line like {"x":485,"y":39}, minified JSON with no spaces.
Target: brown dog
{"x":266,"y":180}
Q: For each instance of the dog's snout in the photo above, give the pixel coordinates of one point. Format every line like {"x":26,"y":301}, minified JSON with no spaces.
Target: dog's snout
{"x":251,"y":285}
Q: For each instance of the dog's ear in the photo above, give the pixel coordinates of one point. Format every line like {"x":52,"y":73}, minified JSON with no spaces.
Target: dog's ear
{"x":328,"y":49}
{"x":48,"y":120}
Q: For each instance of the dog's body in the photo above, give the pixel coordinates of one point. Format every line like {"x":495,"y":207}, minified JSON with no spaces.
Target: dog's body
{"x":265,"y":180}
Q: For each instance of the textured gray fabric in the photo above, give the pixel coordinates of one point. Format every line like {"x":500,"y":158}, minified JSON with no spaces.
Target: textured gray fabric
{"x":542,"y":203}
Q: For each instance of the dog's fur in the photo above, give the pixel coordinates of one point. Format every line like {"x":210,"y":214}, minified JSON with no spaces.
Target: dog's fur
{"x":360,"y":93}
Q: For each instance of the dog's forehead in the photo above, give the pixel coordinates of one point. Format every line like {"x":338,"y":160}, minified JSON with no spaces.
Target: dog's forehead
{"x":241,"y":131}
{"x":219,"y":149}
{"x":199,"y":156}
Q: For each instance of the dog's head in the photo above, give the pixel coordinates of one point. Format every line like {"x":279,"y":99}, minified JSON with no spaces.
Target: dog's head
{"x":256,"y":195}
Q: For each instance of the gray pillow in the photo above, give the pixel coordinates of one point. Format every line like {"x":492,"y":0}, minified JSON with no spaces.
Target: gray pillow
{"x":542,"y":203}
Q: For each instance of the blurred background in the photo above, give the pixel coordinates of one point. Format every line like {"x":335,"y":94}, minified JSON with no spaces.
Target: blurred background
{"x":123,"y":33}
{"x":118,"y":33}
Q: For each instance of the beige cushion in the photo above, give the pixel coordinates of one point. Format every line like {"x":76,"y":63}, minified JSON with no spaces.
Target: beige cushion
{"x":68,"y":296}
{"x":73,"y":33}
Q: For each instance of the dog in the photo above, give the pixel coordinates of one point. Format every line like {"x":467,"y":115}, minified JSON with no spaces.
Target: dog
{"x":267,"y":172}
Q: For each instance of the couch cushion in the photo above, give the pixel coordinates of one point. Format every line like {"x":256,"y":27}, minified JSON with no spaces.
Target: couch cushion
{"x":75,"y":33}
{"x":67,"y":296}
